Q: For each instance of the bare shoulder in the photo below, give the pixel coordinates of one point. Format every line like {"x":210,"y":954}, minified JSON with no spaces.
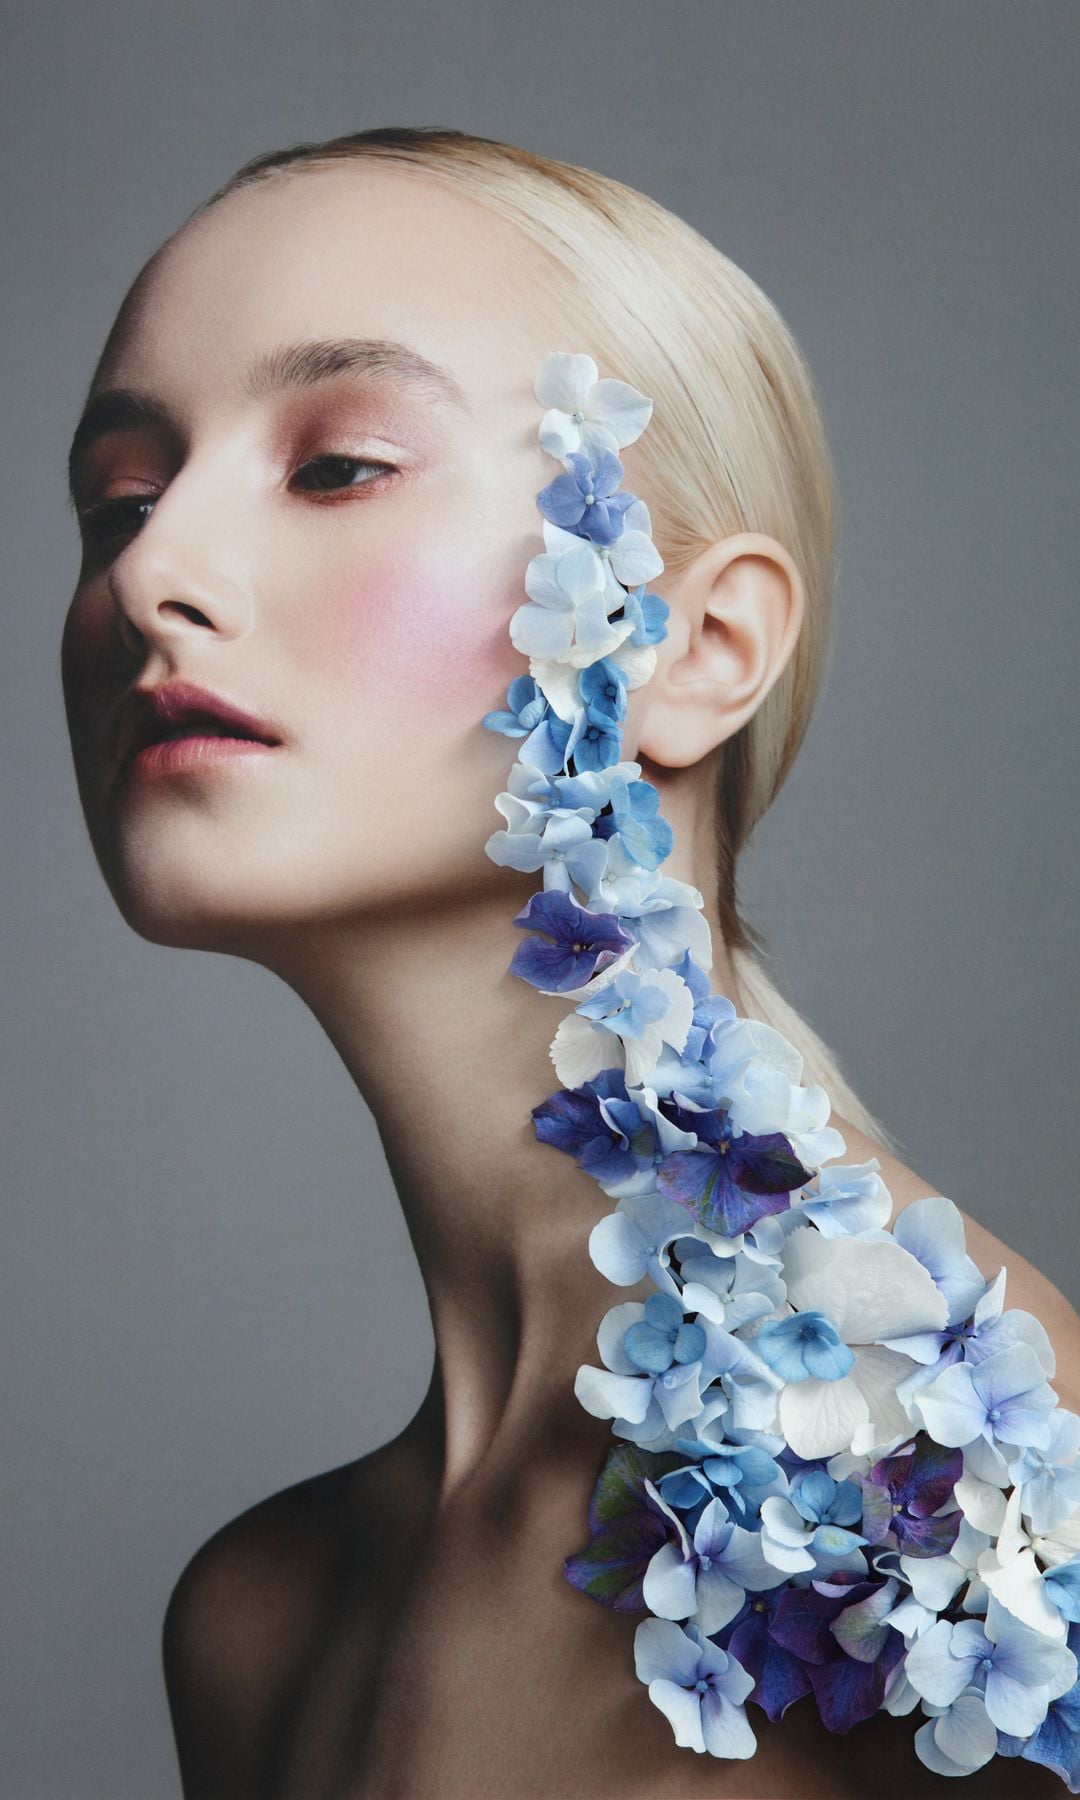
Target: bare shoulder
{"x":1026,"y":1286}
{"x":244,"y":1611}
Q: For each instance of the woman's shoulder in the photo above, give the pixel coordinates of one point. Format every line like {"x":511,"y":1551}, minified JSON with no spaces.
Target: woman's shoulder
{"x":239,"y":1616}
{"x":1026,"y":1286}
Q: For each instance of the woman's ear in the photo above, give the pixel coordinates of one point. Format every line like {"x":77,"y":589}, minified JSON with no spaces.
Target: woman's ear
{"x":735,"y":615}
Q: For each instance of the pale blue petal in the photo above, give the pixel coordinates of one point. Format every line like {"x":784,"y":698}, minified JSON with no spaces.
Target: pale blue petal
{"x":726,"y":1729}
{"x":933,"y":1671}
{"x":663,"y":1651}
{"x":718,"y":1598}
{"x":1014,"y":1707}
{"x":669,"y":1585}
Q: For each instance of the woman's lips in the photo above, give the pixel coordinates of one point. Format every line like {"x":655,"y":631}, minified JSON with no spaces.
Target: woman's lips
{"x":187,"y":755}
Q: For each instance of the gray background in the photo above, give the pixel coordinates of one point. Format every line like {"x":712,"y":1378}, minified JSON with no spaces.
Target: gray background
{"x":207,"y":1288}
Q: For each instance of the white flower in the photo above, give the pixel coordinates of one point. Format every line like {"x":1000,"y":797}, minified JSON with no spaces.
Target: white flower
{"x":585,"y":413}
{"x":869,"y":1291}
{"x":1010,"y":1568}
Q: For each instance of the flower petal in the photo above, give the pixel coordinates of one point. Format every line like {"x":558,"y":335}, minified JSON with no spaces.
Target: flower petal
{"x":869,"y":1289}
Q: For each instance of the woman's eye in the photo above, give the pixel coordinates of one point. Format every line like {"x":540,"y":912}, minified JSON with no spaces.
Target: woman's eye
{"x":107,"y":520}
{"x":112,"y":518}
{"x":332,"y":472}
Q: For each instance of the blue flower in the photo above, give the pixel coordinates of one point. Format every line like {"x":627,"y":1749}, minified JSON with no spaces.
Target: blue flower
{"x":598,"y":744}
{"x":664,"y":1336}
{"x":903,"y":1497}
{"x":1056,"y":1744}
{"x":635,"y":821}
{"x":848,"y":1198}
{"x":575,"y":1120}
{"x":1005,"y":1397}
{"x":603,"y":688}
{"x":526,"y":705}
{"x":698,"y":1687}
{"x":649,"y":614}
{"x":584,"y":942}
{"x":1018,"y":1670}
{"x":707,"y":1578}
{"x":804,"y":1347}
{"x":1050,"y":1477}
{"x":584,"y":498}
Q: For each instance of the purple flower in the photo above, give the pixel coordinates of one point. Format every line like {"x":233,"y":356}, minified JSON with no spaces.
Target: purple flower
{"x":584,"y":942}
{"x":836,"y":1629}
{"x":626,"y":1527}
{"x":583,"y":500}
{"x":779,"y":1676}
{"x":903,"y":1494}
{"x":731,"y":1179}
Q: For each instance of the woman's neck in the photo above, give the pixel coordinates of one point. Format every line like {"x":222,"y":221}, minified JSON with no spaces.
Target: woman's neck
{"x":451,"y":1053}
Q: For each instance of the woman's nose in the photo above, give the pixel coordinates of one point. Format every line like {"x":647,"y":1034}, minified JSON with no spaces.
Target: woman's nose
{"x":186,"y":572}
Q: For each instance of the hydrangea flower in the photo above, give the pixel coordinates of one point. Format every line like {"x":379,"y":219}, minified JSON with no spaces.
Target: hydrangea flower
{"x":584,"y":412}
{"x":708,"y":1577}
{"x":697,"y":1686}
{"x":840,"y":1459}
{"x":1016,"y":1669}
{"x":584,"y":499}
{"x":869,"y":1291}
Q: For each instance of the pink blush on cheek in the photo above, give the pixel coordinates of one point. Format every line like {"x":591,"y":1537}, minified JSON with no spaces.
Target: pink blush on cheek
{"x":406,"y":631}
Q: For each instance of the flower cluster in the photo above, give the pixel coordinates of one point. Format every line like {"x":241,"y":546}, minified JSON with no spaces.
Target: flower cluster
{"x":842,"y":1473}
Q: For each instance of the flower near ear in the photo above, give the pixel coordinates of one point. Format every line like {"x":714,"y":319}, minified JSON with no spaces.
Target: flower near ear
{"x":819,"y":1416}
{"x":566,"y":617}
{"x":584,"y":499}
{"x":584,"y":412}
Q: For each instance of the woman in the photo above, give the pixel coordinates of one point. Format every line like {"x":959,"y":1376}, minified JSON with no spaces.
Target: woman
{"x":307,"y":478}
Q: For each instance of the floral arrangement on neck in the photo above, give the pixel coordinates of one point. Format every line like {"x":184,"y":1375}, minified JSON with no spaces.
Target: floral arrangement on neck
{"x":843,"y":1474}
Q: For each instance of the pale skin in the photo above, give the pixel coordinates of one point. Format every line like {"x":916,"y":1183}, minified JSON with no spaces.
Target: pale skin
{"x":400,"y":1626}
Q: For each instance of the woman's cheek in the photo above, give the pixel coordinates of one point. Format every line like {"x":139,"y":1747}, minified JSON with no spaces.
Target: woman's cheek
{"x":411,"y":632}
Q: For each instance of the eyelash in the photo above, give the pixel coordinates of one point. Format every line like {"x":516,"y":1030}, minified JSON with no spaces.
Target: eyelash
{"x":100,"y":523}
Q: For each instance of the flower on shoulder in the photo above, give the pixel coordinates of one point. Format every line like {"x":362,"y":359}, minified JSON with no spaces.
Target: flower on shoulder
{"x":731,"y":1178}
{"x":959,"y":1738}
{"x":903,"y":1497}
{"x":838,"y":1629}
{"x":698,"y":1687}
{"x":812,"y":1521}
{"x":848,"y":1197}
{"x":627,"y":1526}
{"x":1017,"y":1670}
{"x":869,"y":1290}
{"x":707,"y":1576}
{"x":1035,"y":1575}
{"x":1056,"y":1744}
{"x":1003,"y":1399}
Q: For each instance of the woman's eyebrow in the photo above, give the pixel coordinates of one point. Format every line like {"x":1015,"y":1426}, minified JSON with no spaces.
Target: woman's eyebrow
{"x":298,"y":365}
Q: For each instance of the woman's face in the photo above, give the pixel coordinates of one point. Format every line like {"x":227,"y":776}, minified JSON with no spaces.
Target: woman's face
{"x":340,"y":557}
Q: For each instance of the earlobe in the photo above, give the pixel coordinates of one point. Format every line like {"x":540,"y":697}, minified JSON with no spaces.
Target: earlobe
{"x":735,"y":616}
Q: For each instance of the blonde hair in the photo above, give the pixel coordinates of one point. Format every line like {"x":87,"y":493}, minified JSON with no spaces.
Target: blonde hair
{"x":736,"y":443}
